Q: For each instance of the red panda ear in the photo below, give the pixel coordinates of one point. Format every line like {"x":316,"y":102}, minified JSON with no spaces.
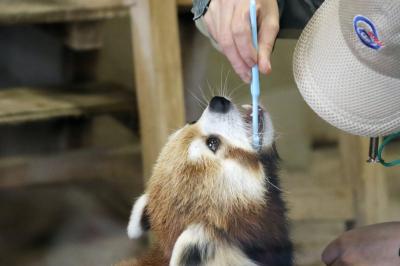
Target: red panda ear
{"x":139,"y":220}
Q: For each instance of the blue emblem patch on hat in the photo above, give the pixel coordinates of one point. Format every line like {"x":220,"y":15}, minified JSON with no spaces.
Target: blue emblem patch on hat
{"x":366,"y":32}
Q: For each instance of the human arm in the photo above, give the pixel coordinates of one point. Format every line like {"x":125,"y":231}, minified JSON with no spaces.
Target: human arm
{"x":372,"y":245}
{"x":226,"y":23}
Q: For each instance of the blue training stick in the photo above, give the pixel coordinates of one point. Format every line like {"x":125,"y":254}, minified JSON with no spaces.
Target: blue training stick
{"x":255,"y":80}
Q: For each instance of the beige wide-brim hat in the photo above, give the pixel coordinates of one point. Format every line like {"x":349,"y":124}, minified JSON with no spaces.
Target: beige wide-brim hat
{"x":347,"y":65}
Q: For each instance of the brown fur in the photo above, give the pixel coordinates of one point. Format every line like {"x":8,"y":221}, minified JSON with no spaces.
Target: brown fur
{"x":182,"y":192}
{"x":248,"y":159}
{"x":179,"y":187}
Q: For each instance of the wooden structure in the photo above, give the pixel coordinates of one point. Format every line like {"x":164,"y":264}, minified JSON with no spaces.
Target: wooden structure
{"x":367,"y":180}
{"x":157,"y":65}
{"x":158,"y":71}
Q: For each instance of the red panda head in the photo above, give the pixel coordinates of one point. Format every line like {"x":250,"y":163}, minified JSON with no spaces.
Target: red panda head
{"x":208,"y":170}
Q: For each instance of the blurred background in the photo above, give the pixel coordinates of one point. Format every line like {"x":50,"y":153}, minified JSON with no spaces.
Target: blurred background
{"x":89,"y":90}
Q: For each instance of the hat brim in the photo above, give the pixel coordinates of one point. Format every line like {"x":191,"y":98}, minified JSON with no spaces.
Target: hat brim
{"x":337,"y":85}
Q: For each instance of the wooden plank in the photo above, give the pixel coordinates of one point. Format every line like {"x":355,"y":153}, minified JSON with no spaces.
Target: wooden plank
{"x":158,"y":71}
{"x":50,"y":11}
{"x":19,"y":105}
{"x":367,"y":180}
{"x":70,"y":166}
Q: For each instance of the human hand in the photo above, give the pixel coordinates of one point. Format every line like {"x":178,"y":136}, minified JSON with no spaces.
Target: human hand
{"x":228,"y":22}
{"x":375,"y":245}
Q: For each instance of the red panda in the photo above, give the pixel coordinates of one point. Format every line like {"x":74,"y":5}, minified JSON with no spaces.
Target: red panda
{"x":212,"y":198}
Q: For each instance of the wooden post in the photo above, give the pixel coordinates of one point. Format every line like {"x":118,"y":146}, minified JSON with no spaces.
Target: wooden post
{"x":158,"y":73}
{"x":368,"y":180}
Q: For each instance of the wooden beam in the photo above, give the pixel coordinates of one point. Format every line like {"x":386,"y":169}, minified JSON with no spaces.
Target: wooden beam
{"x":30,"y":104}
{"x":367,"y":180}
{"x":55,"y":11}
{"x":158,"y":70}
{"x":51,"y":11}
{"x":70,"y":166}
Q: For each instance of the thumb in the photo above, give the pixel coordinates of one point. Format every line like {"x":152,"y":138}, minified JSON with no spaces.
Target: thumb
{"x":269,"y":29}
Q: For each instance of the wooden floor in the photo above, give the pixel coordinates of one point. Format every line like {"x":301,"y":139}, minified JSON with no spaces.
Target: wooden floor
{"x":320,"y":203}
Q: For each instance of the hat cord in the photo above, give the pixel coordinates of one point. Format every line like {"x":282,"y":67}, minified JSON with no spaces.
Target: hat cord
{"x":385,"y":142}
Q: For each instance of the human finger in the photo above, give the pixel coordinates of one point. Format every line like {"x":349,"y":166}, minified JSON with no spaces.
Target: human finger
{"x":241,"y":32}
{"x":227,"y":44}
{"x":269,"y":28}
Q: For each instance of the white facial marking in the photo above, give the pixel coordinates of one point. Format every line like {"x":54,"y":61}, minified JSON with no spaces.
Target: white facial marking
{"x":232,"y":127}
{"x":197,"y":149}
{"x":229,"y":125}
{"x":239,"y":182}
{"x":134,"y":227}
{"x":268,"y":132}
{"x":268,"y":135}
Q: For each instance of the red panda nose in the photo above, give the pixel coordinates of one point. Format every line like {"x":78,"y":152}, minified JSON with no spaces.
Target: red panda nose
{"x":219,"y":104}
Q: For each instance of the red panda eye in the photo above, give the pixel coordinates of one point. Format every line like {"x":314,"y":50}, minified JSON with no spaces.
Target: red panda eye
{"x":213,"y":143}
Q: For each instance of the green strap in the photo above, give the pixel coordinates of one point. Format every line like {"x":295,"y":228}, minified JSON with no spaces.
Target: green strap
{"x":385,"y":142}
